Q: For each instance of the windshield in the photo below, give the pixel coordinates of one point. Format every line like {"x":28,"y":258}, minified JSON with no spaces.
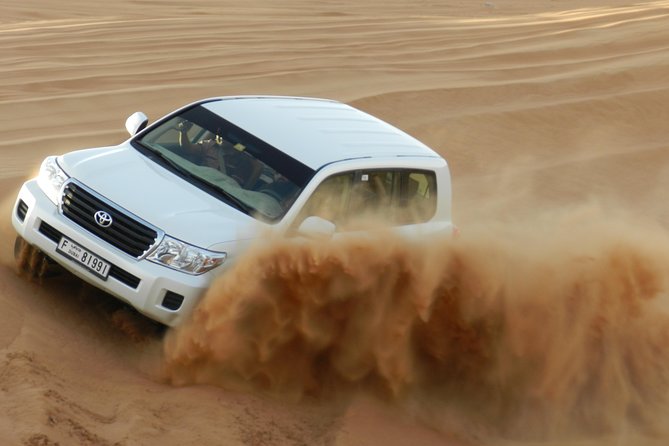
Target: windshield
{"x":227,"y":162}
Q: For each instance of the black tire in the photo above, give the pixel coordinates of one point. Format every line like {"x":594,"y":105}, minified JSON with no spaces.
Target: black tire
{"x":19,"y":243}
{"x":31,"y":261}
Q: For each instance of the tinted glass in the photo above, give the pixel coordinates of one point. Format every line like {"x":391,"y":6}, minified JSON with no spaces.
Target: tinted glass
{"x":227,"y":162}
{"x":398,"y":197}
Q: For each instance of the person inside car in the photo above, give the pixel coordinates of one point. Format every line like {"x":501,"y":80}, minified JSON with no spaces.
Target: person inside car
{"x":220,"y":154}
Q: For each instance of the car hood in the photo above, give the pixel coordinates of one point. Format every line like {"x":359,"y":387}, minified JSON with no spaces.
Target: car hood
{"x":156,"y":195}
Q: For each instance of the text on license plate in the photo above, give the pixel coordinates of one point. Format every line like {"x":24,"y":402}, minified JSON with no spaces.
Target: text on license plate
{"x":84,"y":257}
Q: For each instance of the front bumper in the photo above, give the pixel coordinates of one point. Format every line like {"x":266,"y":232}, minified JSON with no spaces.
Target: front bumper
{"x":152,"y":289}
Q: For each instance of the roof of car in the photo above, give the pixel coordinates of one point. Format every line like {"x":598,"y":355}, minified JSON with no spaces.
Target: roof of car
{"x":317,"y":131}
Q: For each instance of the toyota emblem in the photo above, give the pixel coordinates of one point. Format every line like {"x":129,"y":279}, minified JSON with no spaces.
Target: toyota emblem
{"x":103,"y":219}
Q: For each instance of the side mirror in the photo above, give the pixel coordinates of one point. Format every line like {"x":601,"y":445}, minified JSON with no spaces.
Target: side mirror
{"x":136,"y":123}
{"x":316,"y":227}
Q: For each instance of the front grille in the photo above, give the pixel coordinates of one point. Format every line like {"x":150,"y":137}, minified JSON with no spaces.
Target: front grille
{"x":21,"y":210}
{"x":126,"y":232}
{"x":117,"y":273}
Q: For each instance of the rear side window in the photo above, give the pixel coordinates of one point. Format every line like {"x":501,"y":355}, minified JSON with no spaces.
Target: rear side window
{"x":418,"y":197}
{"x":400,"y":197}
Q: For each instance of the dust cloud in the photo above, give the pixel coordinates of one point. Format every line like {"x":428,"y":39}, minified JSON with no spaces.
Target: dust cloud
{"x":549,"y":329}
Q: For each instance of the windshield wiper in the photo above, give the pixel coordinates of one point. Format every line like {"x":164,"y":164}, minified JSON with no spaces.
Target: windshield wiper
{"x":165,"y":159}
{"x":236,"y":202}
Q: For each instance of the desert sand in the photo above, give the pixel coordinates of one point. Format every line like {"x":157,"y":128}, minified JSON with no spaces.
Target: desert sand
{"x":554,"y":118}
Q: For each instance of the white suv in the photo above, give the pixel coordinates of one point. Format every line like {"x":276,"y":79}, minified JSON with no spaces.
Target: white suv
{"x":153,"y":220}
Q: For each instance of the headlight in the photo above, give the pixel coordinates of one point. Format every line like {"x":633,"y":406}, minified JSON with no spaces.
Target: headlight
{"x":181,"y":256}
{"x":51,"y":178}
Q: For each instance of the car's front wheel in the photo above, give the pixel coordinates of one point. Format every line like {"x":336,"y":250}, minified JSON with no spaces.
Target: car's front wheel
{"x":30,"y":260}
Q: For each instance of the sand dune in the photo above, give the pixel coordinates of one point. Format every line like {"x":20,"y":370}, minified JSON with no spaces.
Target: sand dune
{"x":540,"y":107}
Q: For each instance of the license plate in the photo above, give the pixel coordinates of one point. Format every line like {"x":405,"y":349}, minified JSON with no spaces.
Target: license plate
{"x":84,"y":257}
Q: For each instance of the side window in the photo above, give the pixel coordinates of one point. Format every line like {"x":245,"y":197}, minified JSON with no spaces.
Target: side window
{"x":329,"y":200}
{"x":374,"y":195}
{"x":401,"y":197}
{"x":397,"y":196}
{"x":418,"y":197}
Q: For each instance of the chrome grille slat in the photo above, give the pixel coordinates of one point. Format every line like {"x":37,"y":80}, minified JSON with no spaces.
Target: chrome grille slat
{"x":88,"y":207}
{"x":118,"y":231}
{"x":126,"y":233}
